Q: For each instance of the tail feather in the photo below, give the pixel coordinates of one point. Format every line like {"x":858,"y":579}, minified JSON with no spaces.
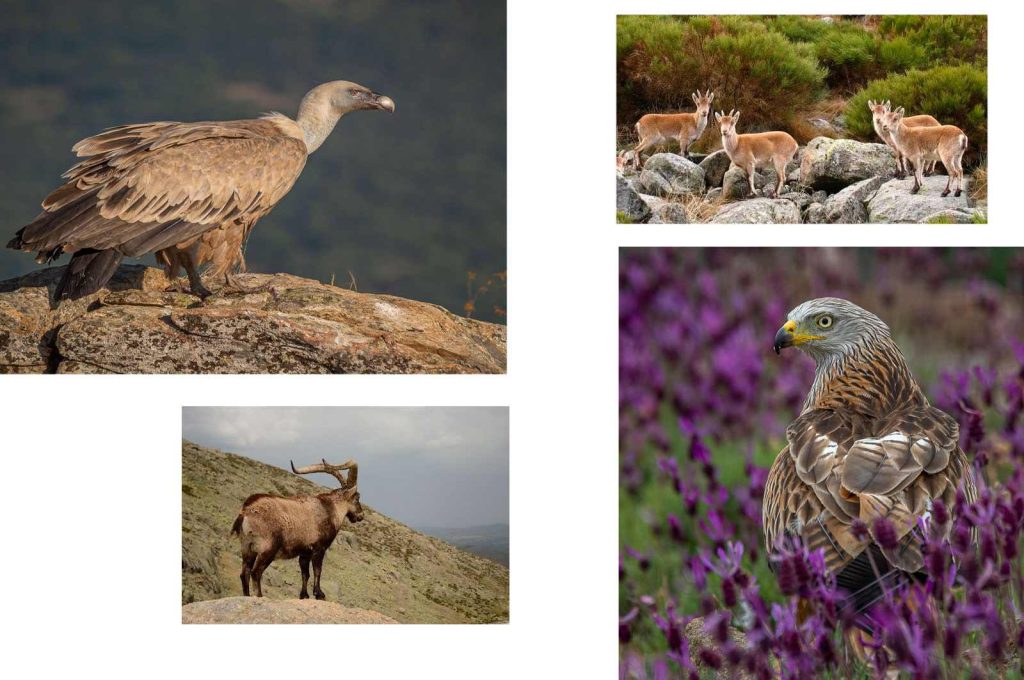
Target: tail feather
{"x":88,"y":271}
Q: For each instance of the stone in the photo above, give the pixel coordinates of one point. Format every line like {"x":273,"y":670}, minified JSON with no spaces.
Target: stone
{"x":289,"y":325}
{"x":814,"y":214}
{"x":669,"y":212}
{"x":893,"y":203}
{"x":668,"y":175}
{"x":759,"y":211}
{"x":849,"y":205}
{"x":715,"y":166}
{"x":628,"y":201}
{"x":833,"y":164}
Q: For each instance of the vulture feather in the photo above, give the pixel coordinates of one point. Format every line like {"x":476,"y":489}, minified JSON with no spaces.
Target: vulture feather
{"x":189,"y":192}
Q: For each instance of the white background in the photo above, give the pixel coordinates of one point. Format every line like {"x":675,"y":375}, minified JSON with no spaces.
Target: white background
{"x":91,"y":505}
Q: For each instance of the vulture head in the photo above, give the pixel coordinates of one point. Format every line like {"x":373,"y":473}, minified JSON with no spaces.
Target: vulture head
{"x":829,"y":328}
{"x":344,"y":96}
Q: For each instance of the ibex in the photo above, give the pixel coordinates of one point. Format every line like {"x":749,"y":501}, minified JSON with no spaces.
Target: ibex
{"x":757,"y":149}
{"x":658,"y":129}
{"x":878,"y":111}
{"x":280,"y":528}
{"x":946,"y":143}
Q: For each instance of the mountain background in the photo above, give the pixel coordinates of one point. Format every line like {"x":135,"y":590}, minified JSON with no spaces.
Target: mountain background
{"x":412,"y":204}
{"x":487,"y":540}
{"x":378,"y":564}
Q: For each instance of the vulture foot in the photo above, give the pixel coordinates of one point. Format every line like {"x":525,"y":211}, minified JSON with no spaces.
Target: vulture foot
{"x":183,"y":286}
{"x":233,"y":287}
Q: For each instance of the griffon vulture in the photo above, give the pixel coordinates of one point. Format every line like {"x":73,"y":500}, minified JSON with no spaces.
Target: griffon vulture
{"x":190,"y":192}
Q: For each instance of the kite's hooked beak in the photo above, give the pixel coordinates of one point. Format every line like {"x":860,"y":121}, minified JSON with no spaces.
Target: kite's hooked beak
{"x":785,"y":338}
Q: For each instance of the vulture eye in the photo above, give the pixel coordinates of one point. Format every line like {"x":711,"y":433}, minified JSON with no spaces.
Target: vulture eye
{"x":825,"y":321}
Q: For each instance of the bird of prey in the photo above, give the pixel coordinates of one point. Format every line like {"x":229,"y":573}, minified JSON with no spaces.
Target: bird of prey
{"x":189,"y":192}
{"x":867,"y":445}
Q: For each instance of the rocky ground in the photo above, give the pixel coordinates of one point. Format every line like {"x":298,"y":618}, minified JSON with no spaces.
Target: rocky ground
{"x":831,"y":181}
{"x":263,"y":610}
{"x":286,"y":325}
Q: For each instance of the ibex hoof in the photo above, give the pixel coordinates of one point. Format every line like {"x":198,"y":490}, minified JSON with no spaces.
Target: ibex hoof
{"x":321,"y":596}
{"x":303,"y":595}
{"x":957,"y":194}
{"x":945,"y":193}
{"x":915,"y":190}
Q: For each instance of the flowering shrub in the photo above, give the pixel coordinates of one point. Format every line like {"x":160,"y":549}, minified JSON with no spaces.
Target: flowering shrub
{"x":703,"y":407}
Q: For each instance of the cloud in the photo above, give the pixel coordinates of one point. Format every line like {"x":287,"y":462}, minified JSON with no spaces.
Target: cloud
{"x":445,"y":466}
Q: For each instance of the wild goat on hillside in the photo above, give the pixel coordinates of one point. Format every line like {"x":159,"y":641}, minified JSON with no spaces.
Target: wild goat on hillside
{"x":878,"y":111}
{"x":756,"y":149}
{"x":273,"y":527}
{"x":659,"y":129}
{"x":946,"y":143}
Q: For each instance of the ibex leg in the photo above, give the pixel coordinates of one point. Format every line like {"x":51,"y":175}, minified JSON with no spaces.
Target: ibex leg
{"x":263,"y":561}
{"x":318,"y":565}
{"x":304,"y":565}
{"x":247,"y":562}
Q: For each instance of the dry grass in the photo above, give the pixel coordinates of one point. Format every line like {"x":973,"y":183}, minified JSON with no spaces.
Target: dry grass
{"x":700,"y":210}
{"x":978,"y":190}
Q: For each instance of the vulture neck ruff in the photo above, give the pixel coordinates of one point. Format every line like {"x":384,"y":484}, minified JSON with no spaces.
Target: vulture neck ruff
{"x":317,"y":118}
{"x":870,"y":377}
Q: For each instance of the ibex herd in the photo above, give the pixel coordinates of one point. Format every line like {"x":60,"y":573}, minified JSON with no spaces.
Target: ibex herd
{"x":273,"y":527}
{"x":916,"y":140}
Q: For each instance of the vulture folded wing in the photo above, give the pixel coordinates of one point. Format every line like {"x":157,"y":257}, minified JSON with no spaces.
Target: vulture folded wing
{"x":143,"y":188}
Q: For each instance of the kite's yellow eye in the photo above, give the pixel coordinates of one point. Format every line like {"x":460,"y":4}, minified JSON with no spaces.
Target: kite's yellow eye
{"x":825,"y":321}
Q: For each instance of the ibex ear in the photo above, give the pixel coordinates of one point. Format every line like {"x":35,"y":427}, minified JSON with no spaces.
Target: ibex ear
{"x":871,"y":105}
{"x":888,"y":105}
{"x":711,"y":96}
{"x":718,"y":117}
{"x":695,"y":99}
{"x":736,"y":118}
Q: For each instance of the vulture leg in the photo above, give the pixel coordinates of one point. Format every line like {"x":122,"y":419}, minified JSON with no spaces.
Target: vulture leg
{"x":195,"y":282}
{"x":232,"y":286}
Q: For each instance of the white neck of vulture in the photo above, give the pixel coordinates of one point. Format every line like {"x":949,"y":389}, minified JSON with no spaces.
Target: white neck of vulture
{"x":317,"y":119}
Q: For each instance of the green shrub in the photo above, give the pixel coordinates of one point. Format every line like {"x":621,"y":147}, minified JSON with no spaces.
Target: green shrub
{"x":955,"y":95}
{"x":751,"y":68}
{"x":949,"y":39}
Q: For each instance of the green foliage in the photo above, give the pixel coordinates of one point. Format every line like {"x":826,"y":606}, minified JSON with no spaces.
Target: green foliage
{"x":758,"y":71}
{"x":955,"y":95}
{"x":951,"y":39}
{"x":623,"y":218}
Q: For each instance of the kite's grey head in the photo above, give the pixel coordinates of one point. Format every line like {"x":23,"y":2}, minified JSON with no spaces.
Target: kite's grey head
{"x":829,"y":327}
{"x":344,"y":96}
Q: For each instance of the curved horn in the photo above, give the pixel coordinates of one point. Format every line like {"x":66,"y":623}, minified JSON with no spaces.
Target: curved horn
{"x":334,"y":470}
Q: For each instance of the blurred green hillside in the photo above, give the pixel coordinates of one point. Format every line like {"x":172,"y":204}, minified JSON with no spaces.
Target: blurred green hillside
{"x":409,"y":203}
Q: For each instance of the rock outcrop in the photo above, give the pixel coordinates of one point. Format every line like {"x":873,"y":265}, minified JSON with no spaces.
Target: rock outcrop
{"x":286,"y":324}
{"x":759,"y":211}
{"x":893,"y":202}
{"x":832,"y":164}
{"x":265,"y":610}
{"x":715,"y":166}
{"x":628,"y":201}
{"x":849,"y":206}
{"x":670,"y":175}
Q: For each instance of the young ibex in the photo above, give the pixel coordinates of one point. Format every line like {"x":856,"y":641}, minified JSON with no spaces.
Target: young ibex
{"x":658,"y":129}
{"x":756,"y":149}
{"x":878,"y":111}
{"x":946,"y":143}
{"x":280,"y":528}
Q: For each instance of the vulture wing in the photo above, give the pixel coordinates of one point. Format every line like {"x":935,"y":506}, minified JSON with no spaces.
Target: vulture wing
{"x":142,"y":188}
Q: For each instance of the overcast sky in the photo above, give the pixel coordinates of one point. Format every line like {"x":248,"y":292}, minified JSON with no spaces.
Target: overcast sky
{"x":430,"y":466}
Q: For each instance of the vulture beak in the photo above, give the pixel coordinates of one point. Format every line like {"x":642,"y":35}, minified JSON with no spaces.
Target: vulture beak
{"x":384,"y":103}
{"x":785,"y":337}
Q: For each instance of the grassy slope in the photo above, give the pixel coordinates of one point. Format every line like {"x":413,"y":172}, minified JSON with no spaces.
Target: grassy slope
{"x":378,"y":564}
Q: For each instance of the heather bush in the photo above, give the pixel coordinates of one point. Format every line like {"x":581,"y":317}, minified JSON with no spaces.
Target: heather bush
{"x":955,"y":95}
{"x":703,"y":404}
{"x":948,"y":39}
